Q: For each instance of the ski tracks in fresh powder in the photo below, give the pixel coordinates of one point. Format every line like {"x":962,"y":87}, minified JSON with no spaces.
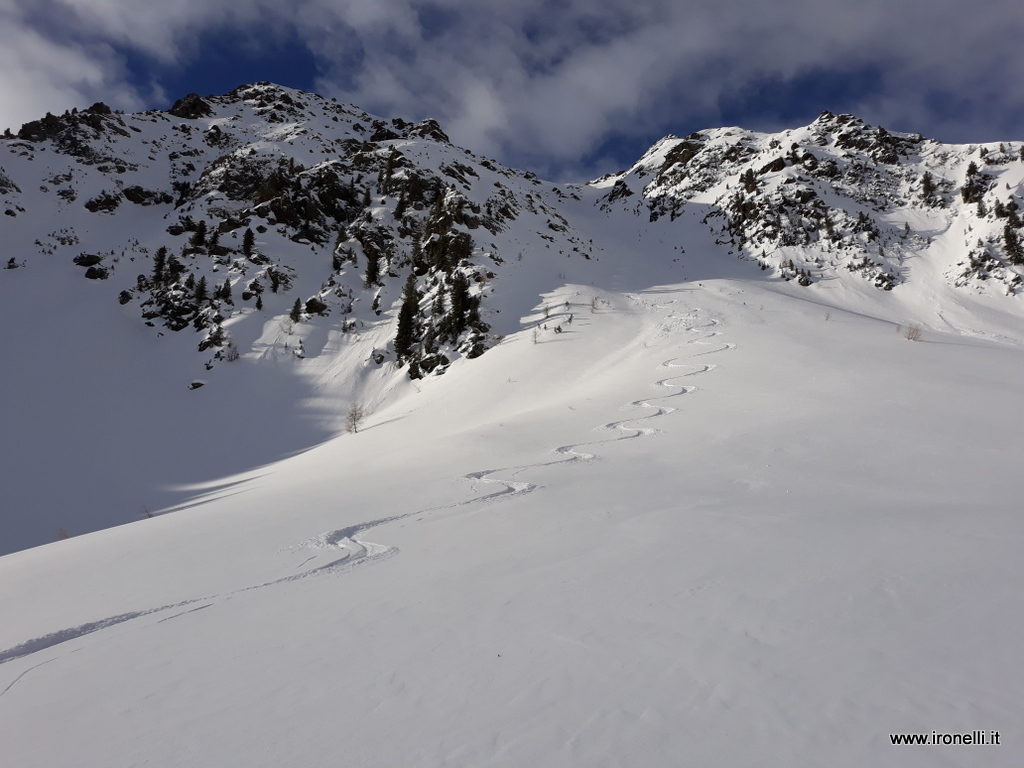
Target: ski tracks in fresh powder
{"x":352,"y":550}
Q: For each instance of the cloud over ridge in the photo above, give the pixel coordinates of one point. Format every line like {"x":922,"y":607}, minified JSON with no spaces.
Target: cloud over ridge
{"x":554,"y":85}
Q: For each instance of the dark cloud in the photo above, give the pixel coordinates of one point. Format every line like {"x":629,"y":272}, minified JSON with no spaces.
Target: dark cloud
{"x":553,"y":83}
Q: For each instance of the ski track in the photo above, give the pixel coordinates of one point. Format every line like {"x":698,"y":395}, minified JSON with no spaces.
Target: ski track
{"x":356,"y":551}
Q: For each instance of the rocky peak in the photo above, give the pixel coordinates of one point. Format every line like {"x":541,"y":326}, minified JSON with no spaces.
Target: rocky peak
{"x":191,"y":107}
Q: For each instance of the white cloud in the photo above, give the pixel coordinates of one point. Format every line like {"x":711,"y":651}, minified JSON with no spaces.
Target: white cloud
{"x":551,"y":81}
{"x":43,"y":76}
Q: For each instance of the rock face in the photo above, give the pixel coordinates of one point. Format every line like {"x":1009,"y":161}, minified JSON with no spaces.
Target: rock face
{"x":839,"y":197}
{"x":191,"y":107}
{"x":271,"y":202}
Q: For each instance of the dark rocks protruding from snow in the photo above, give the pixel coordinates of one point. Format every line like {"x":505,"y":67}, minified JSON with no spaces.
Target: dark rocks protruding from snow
{"x":104,"y":202}
{"x":87,"y":259}
{"x":141,"y":196}
{"x":191,"y":107}
{"x":428,"y":129}
{"x":45,"y":128}
{"x":6,"y":185}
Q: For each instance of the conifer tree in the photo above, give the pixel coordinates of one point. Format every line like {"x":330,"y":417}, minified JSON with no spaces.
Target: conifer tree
{"x":927,"y":187}
{"x":296,"y":313}
{"x":460,"y":303}
{"x":372,"y":276}
{"x":248,"y":242}
{"x":174,"y":269}
{"x":159,"y":264}
{"x":406,"y":334}
{"x":749,"y":182}
{"x":199,"y":236}
{"x":1014,"y":250}
{"x":201,"y":290}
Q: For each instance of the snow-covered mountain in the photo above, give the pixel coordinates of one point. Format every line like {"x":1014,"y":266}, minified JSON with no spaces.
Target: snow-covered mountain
{"x":648,"y":470}
{"x":269,"y":226}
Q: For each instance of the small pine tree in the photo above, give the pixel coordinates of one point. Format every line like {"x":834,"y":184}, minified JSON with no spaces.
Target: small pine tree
{"x":159,"y":264}
{"x":199,"y":236}
{"x":225,"y":291}
{"x":927,"y":187}
{"x":405,"y":337}
{"x":259,"y":303}
{"x":1014,"y":250}
{"x":296,"y":313}
{"x":749,"y":182}
{"x":982,"y":210}
{"x":174,"y":269}
{"x":460,"y":303}
{"x":248,"y":243}
{"x":201,"y":290}
{"x":372,"y":276}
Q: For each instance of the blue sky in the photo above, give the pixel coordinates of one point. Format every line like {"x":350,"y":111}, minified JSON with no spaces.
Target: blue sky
{"x":565,"y":87}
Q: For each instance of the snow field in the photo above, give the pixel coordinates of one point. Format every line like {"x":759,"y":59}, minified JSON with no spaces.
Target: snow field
{"x":816,"y":548}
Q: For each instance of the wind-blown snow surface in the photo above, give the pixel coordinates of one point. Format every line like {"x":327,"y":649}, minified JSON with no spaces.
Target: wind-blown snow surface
{"x":708,"y":524}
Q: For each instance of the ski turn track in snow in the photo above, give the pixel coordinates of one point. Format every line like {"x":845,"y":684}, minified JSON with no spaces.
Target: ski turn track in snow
{"x":353,"y":550}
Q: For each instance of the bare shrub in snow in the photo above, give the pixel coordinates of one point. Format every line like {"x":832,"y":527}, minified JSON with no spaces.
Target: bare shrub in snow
{"x":354,"y":417}
{"x":912,"y":333}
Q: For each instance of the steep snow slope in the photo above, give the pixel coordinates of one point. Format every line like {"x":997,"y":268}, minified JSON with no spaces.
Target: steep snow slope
{"x":705,"y":524}
{"x":108,"y":360}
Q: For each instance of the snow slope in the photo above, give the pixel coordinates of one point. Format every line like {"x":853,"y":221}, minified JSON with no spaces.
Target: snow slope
{"x":720,"y":518}
{"x":705,"y":525}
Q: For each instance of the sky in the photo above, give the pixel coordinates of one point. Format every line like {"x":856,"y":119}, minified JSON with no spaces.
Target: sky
{"x":568,"y":88}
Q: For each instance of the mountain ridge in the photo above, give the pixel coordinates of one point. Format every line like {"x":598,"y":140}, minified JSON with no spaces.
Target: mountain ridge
{"x":272,"y":246}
